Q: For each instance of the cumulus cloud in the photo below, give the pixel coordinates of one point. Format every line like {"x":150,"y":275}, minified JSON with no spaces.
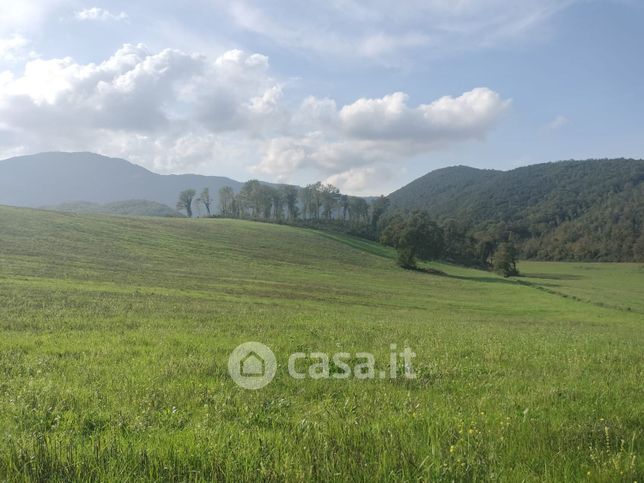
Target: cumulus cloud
{"x":96,"y":13}
{"x":381,"y":131}
{"x":175,"y":111}
{"x":447,"y":118}
{"x":357,"y":180}
{"x":167,"y":104}
{"x":130,"y":90}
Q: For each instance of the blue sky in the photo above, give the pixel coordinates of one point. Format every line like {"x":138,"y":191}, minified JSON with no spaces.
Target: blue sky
{"x":366,"y":95}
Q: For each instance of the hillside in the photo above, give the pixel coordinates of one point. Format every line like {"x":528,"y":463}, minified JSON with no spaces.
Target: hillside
{"x":49,"y":179}
{"x":574,"y":210}
{"x":116,"y":332}
{"x":127,"y":207}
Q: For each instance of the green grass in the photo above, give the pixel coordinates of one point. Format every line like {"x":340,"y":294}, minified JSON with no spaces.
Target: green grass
{"x":617,"y":285}
{"x":115,"y":334}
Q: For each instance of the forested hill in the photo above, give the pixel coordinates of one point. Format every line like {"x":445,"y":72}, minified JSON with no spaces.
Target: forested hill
{"x":568,"y":210}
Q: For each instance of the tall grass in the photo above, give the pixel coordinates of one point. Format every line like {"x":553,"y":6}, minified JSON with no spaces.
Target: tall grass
{"x":115,"y":334}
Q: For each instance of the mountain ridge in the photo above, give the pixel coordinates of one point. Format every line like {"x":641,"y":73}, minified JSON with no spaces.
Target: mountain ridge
{"x":53,"y":178}
{"x":562,"y":210}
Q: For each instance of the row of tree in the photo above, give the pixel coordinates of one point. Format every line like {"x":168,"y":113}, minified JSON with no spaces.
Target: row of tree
{"x":259,"y":201}
{"x":414,"y":234}
{"x":187,"y":197}
{"x":316,"y":201}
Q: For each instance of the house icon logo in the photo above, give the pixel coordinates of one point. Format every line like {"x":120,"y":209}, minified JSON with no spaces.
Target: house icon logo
{"x":252,"y":365}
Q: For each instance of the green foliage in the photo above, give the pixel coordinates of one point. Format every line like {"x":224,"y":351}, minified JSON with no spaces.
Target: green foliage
{"x":505,"y":260}
{"x":115,"y":334}
{"x":406,"y":256}
{"x":379,"y":208}
{"x":317,"y":205}
{"x":414,"y":236}
{"x":571,"y":210}
{"x":290,"y":194}
{"x":185,"y":201}
{"x":638,"y":249}
{"x":206,"y":200}
{"x":227,"y":203}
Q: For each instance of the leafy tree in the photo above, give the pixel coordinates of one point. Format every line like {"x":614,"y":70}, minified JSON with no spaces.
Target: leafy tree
{"x":391,"y":226}
{"x":358,"y":210}
{"x":251,"y":198}
{"x":329,"y":197}
{"x":265,"y":196}
{"x":344,"y":205}
{"x":378,"y":209}
{"x":289,"y":194}
{"x":185,"y":201}
{"x":415,"y":236}
{"x":227,"y":201}
{"x":460,"y":246}
{"x":638,"y":249}
{"x":278,"y":201}
{"x":316,"y":199}
{"x":306,"y":197}
{"x":505,"y":260}
{"x":206,"y":199}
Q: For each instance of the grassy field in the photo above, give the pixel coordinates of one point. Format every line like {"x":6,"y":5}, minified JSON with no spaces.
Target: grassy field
{"x":615,"y":285}
{"x":115,"y":334}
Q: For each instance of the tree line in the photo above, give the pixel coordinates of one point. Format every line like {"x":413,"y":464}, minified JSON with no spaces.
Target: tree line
{"x":413,"y":234}
{"x":259,"y":201}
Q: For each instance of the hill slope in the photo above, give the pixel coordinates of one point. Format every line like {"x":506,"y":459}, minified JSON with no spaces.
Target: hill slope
{"x":127,"y":207}
{"x":115,"y":334}
{"x":48,"y":179}
{"x":583,"y":210}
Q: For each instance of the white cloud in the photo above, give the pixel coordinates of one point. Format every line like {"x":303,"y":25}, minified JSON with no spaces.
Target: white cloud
{"x":359,"y":180}
{"x":96,"y":13}
{"x":177,"y":111}
{"x":11,"y":48}
{"x":380,"y":31}
{"x":447,"y":118}
{"x":140,"y":90}
{"x":557,"y":123}
{"x":381,"y":132}
{"x":163,"y":106}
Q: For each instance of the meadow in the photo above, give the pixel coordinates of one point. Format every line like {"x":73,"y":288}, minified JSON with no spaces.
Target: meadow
{"x":115,"y":334}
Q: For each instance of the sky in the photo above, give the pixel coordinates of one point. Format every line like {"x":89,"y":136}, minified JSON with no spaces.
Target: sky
{"x":366,"y":95}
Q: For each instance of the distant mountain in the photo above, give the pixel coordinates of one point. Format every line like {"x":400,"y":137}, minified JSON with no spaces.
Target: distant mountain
{"x":574,"y":210}
{"x":49,"y":179}
{"x":127,"y":207}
